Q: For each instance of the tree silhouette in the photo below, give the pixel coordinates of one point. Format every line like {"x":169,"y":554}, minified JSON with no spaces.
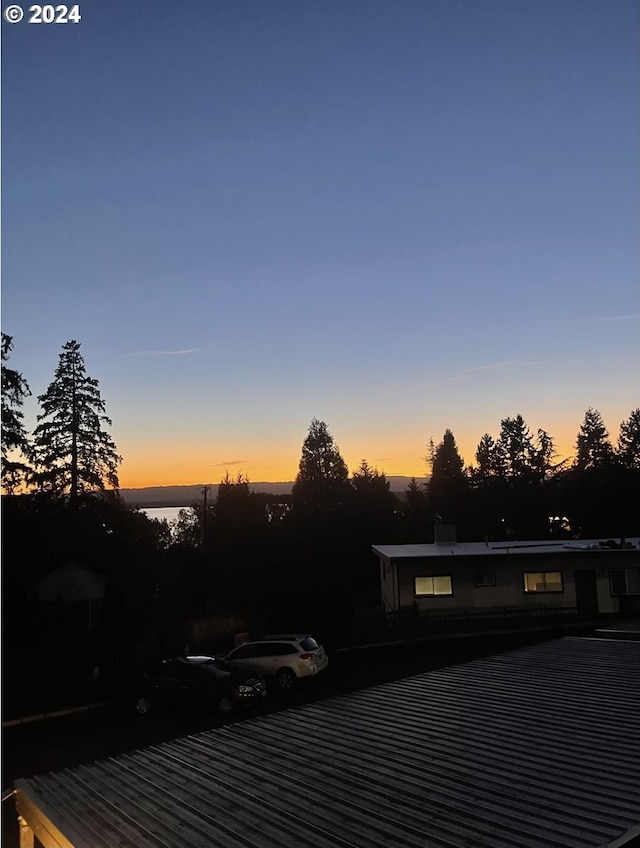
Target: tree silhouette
{"x":73,"y":453}
{"x":415,"y":526}
{"x":448,"y":484}
{"x":545,"y":455}
{"x":366,"y":479}
{"x":596,"y":492}
{"x":321,"y":484}
{"x":518,"y":447}
{"x":240,"y":514}
{"x":511,"y":482}
{"x":447,"y":463}
{"x":594,"y":449}
{"x":15,"y":441}
{"x":629,"y":441}
{"x":374,"y":504}
{"x":490,"y":460}
{"x":240,"y":545}
{"x":186,"y":527}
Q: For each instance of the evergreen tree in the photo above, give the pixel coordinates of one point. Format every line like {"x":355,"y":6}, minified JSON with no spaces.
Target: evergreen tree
{"x":73,"y":452}
{"x":448,"y":484}
{"x":447,"y":463}
{"x":322,"y":480}
{"x":367,"y":480}
{"x":319,"y":532}
{"x":15,"y":442}
{"x":525,"y":506}
{"x":594,"y":449}
{"x":490,"y":460}
{"x":509,"y":498}
{"x":431,"y":454}
{"x":375,"y":505}
{"x":489,"y":489}
{"x":414,"y":495}
{"x":545,"y":455}
{"x":519,"y":450}
{"x":239,"y":512}
{"x":629,"y":441}
{"x":234,"y":490}
{"x":599,"y":493}
{"x":241,"y":543}
{"x":373,"y":518}
{"x":416,"y":527}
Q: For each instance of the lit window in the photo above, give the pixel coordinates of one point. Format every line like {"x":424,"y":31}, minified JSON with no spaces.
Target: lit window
{"x":543,"y":581}
{"x":433,"y":585}
{"x":484,"y":578}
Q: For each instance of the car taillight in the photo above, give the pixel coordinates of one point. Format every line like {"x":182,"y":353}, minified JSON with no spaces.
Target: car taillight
{"x":307,"y":656}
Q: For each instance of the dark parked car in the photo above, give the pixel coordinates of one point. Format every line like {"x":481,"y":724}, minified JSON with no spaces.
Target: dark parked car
{"x":195,"y":682}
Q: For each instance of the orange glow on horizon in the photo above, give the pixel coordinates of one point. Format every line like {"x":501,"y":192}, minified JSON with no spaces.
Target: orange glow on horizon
{"x":142,"y":468}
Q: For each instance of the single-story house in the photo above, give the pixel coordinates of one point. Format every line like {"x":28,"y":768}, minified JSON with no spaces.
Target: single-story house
{"x":592,"y":576}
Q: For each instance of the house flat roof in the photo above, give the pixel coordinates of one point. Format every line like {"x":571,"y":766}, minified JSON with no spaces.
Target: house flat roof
{"x":536,"y":748}
{"x":542,"y":548}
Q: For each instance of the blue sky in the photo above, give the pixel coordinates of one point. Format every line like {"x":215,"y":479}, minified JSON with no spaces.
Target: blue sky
{"x":398,"y":217}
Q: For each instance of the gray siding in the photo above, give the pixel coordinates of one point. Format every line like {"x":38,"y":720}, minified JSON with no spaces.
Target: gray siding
{"x":508,"y":591}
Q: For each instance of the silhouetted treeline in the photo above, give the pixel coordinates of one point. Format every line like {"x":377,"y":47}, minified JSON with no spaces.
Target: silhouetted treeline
{"x":302,"y":561}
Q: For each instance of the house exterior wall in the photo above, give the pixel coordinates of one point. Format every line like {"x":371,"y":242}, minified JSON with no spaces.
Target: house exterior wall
{"x":606,"y":601}
{"x":388,"y":585}
{"x":508,"y":590}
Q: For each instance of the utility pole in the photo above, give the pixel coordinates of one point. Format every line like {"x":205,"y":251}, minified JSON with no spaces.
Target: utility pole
{"x":205,"y":490}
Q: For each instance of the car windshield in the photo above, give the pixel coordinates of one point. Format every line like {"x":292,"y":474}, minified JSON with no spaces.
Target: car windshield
{"x":309,"y":644}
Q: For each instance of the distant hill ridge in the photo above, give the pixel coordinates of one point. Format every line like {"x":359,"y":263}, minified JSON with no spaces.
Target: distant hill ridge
{"x":155,"y":496}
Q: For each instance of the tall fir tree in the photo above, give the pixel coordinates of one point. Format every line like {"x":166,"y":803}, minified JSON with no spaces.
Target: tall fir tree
{"x":490,"y":460}
{"x":322,"y":482}
{"x":239,"y":512}
{"x":519,"y":450}
{"x":594,"y":449}
{"x":416,"y":524}
{"x":431,"y":454}
{"x":448,"y":484}
{"x":545,"y":457}
{"x":447,"y":464}
{"x":375,"y":505}
{"x":629,"y":441}
{"x":369,"y":481}
{"x":15,"y":441}
{"x":73,"y":452}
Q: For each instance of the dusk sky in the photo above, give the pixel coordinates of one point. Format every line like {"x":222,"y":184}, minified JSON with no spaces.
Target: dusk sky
{"x":398,"y":217}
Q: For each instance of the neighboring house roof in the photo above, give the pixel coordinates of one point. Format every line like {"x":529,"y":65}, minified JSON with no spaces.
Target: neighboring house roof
{"x":71,"y":582}
{"x":536,"y":748}
{"x":496,"y":548}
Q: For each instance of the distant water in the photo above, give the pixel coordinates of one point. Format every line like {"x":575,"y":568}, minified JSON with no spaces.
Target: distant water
{"x":160,"y":512}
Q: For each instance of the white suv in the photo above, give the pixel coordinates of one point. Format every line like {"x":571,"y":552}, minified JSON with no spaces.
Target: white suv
{"x":285,"y":657}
